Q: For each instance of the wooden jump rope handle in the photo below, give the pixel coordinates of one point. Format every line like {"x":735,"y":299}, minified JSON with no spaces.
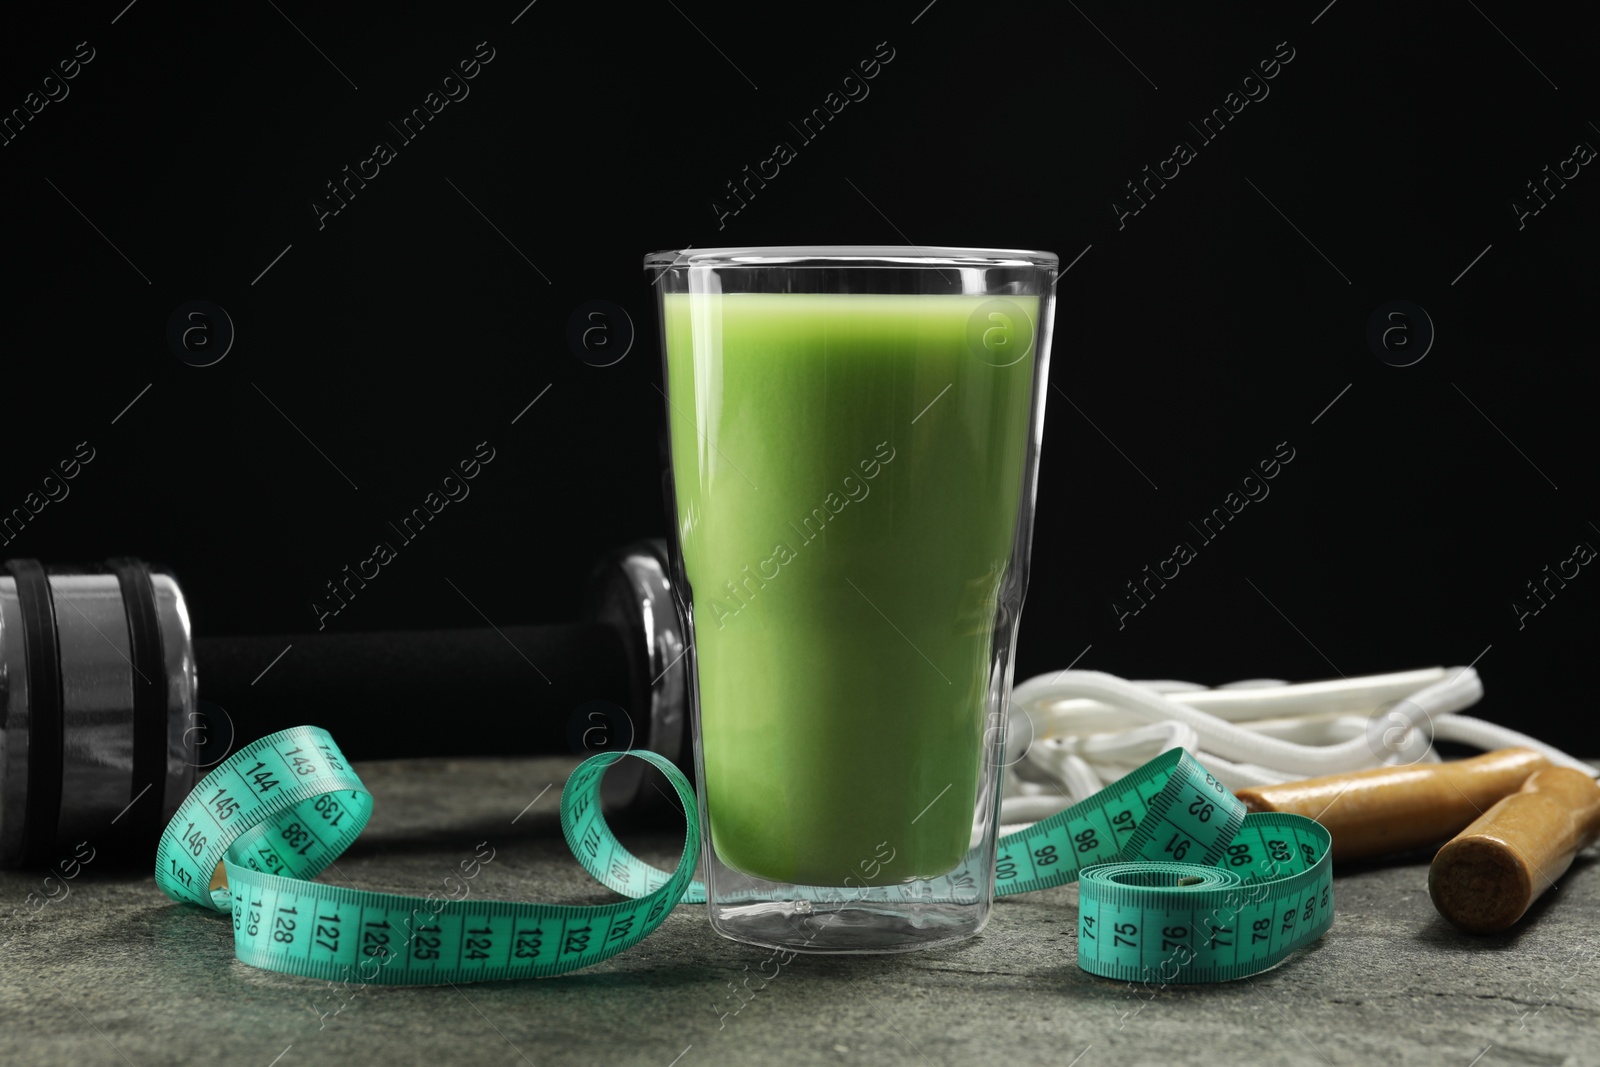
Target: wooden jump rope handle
{"x":1486,"y":878}
{"x":1392,"y":809}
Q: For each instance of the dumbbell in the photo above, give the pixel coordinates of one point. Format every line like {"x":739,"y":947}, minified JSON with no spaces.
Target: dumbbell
{"x":103,"y":729}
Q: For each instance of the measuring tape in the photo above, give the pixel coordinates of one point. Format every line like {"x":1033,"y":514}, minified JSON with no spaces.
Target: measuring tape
{"x":1176,"y":882}
{"x":1191,"y":879}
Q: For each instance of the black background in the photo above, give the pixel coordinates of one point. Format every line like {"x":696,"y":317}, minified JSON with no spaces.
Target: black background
{"x":1196,"y":337}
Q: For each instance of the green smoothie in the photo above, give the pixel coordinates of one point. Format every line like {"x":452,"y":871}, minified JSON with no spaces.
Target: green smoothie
{"x":847,"y":473}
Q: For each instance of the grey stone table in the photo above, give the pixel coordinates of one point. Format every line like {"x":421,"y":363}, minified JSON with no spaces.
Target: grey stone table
{"x":117,"y":974}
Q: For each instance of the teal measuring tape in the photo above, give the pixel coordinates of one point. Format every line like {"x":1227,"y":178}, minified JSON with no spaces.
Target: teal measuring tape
{"x":1191,"y":883}
{"x":1176,"y":882}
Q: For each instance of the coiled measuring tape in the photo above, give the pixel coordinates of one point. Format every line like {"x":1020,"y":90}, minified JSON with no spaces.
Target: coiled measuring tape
{"x":1192,"y":883}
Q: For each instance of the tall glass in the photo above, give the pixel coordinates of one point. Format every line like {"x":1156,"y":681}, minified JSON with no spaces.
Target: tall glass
{"x":854,"y":437}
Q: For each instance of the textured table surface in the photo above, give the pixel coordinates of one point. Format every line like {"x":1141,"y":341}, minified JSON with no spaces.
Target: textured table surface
{"x":115,"y":974}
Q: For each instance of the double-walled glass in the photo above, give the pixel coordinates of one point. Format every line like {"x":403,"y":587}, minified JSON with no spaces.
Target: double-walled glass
{"x":854,"y":436}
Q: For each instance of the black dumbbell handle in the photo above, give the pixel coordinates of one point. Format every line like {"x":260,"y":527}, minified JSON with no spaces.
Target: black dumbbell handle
{"x":397,"y":694}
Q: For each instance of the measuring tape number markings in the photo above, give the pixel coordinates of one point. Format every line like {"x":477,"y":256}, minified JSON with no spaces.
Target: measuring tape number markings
{"x":1176,"y":881}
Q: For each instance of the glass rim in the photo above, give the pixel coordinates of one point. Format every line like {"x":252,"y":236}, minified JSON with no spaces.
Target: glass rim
{"x":850,"y":256}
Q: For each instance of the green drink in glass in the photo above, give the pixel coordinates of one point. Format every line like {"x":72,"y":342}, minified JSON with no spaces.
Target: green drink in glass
{"x":853,"y":438}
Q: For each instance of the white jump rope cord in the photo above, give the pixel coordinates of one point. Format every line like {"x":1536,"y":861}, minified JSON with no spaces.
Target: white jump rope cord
{"x":1069,"y":734}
